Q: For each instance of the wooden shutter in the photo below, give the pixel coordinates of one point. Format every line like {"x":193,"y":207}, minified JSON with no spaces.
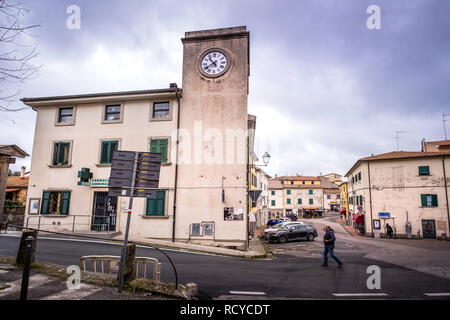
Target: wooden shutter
{"x":424,"y":170}
{"x":65,"y":202}
{"x":434,"y":201}
{"x":45,"y":202}
{"x":424,"y":200}
{"x":155,"y":207}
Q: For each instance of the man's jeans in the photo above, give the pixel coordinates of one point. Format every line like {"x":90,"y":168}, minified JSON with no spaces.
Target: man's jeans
{"x":329,"y":249}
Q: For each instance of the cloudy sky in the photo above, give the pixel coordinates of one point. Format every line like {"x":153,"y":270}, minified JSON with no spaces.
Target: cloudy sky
{"x":326,"y":90}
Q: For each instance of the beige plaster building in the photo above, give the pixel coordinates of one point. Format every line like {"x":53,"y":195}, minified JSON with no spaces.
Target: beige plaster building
{"x":200,"y":130}
{"x":400,"y":187}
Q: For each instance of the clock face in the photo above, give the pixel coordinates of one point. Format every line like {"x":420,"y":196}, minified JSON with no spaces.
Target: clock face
{"x":214,"y":63}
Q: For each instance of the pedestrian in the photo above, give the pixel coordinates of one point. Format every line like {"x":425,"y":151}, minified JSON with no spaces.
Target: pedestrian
{"x":329,"y":238}
{"x":389,"y":230}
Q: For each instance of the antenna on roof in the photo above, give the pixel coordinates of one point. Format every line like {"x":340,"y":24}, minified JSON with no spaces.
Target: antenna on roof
{"x":397,"y":137}
{"x":443,"y":121}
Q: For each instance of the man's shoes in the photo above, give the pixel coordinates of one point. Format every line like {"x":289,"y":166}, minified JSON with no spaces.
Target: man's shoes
{"x":324,"y":265}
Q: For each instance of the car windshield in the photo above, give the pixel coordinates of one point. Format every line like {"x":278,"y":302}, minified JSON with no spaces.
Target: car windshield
{"x":278,"y":225}
{"x":284,"y":227}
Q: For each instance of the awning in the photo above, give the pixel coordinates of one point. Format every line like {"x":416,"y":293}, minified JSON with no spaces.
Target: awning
{"x":358,"y":218}
{"x":12,"y":190}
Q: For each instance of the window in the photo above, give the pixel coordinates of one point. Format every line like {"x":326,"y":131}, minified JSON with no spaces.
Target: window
{"x":112,"y":112}
{"x":160,"y":146}
{"x":311,"y":201}
{"x":288,"y":201}
{"x":61,"y":153}
{"x":65,"y":115}
{"x":310,"y":191}
{"x":429,"y":200}
{"x":288,"y":191}
{"x":328,"y":196}
{"x":359,"y":176}
{"x":312,"y":182}
{"x":155,"y":207}
{"x":273,"y":203}
{"x":161,"y":110}
{"x":360,"y":200}
{"x":424,"y":170}
{"x":299,"y":201}
{"x":273,"y":193}
{"x":55,"y":202}
{"x":353,"y":179}
{"x":107,"y":149}
{"x":303,"y":182}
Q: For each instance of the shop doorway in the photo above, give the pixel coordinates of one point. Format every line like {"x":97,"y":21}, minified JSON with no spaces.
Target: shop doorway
{"x":104,"y":212}
{"x":429,"y":229}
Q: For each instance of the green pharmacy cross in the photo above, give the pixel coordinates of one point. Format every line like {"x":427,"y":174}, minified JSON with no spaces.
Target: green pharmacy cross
{"x":85,"y":175}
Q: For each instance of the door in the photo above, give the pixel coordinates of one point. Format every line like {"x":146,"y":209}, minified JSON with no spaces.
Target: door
{"x":429,"y":229}
{"x":104,"y":212}
{"x":303,"y":231}
{"x":293,"y":233}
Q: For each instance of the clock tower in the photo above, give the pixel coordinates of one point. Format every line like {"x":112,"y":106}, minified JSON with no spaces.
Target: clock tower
{"x":212,"y":177}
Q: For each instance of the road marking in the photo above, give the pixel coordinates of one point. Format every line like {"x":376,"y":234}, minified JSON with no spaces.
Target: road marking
{"x":248,"y":293}
{"x":349,"y":245}
{"x":442,"y":294}
{"x":73,"y":294}
{"x":34,"y":281}
{"x":360,"y":294}
{"x":320,"y":245}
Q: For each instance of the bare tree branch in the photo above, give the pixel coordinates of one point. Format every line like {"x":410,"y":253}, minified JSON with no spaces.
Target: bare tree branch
{"x":15,"y":54}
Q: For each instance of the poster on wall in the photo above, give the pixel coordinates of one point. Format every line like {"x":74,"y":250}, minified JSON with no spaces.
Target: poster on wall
{"x":233,"y":213}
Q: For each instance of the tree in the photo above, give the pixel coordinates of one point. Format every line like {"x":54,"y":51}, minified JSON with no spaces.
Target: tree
{"x":15,"y":53}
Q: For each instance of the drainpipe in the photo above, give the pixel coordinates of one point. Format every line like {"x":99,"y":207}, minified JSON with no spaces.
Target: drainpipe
{"x":177,"y":93}
{"x":370,"y":198}
{"x":247,"y":242}
{"x":446,"y":192}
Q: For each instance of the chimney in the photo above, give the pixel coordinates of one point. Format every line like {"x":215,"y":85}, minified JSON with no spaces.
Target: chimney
{"x":173,"y":85}
{"x":423,"y":145}
{"x":22,"y":172}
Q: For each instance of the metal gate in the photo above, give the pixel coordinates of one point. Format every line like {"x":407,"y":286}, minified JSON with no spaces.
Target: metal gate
{"x":429,"y":229}
{"x":104,"y":213}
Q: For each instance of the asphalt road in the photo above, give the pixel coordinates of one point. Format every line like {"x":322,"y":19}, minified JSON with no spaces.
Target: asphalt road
{"x":294,"y":272}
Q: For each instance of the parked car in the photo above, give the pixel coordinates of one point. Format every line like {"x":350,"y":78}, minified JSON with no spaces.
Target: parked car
{"x":272,"y":222}
{"x":293,"y":217}
{"x":293,"y":232}
{"x":275,"y":227}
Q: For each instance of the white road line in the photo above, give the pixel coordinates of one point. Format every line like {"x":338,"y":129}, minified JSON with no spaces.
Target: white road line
{"x":84,"y":291}
{"x":360,"y":294}
{"x":248,"y":293}
{"x":349,"y":245}
{"x":442,"y":294}
{"x":34,"y":281}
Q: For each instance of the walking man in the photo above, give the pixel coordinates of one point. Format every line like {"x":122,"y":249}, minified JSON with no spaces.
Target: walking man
{"x":389,"y":230}
{"x":329,"y":239}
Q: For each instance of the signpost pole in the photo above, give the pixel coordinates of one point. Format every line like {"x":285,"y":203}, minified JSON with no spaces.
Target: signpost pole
{"x":130,"y":206}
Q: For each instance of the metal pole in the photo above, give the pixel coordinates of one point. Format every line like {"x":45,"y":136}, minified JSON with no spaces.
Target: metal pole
{"x":39,"y":223}
{"x":26,"y":268}
{"x":130,"y":206}
{"x":73,"y":224}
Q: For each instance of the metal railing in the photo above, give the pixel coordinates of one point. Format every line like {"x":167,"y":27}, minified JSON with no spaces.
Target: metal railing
{"x":113,"y":262}
{"x":87,"y":222}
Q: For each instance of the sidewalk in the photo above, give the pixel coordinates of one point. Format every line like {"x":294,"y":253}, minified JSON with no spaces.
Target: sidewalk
{"x":352,"y":231}
{"x":255,"y":250}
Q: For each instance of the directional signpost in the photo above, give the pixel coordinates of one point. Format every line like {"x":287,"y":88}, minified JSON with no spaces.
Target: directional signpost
{"x":133,"y":174}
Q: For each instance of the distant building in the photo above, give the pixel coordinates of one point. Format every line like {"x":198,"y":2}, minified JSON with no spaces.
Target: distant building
{"x":262,"y":203}
{"x":400,"y":187}
{"x":436,"y":146}
{"x":16,"y":188}
{"x":334,"y":177}
{"x":344,"y":209}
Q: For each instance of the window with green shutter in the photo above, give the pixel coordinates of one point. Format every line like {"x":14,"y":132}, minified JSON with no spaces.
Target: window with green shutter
{"x":55,"y":202}
{"x":429,"y":200}
{"x":61,"y":153}
{"x":424,"y":170}
{"x":155,"y":207}
{"x":311,"y":201}
{"x":288,"y":191}
{"x":160,"y":146}
{"x":107,"y":150}
{"x":273,"y":203}
{"x":299,"y":201}
{"x":288,"y":201}
{"x":310,"y":192}
{"x":273,"y":193}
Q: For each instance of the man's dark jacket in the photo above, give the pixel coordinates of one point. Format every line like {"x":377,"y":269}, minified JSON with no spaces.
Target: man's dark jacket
{"x":329,"y":235}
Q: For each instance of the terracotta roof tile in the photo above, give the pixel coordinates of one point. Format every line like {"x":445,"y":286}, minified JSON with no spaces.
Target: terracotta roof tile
{"x":15,"y":181}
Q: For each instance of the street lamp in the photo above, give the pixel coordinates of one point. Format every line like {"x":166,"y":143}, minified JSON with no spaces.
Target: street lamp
{"x":266,"y":158}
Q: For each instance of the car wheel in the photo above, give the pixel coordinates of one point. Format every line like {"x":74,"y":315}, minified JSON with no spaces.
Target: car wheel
{"x":310,"y":237}
{"x":282,"y":239}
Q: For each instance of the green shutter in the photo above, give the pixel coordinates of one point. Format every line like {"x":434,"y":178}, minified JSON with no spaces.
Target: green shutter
{"x":299,"y":201}
{"x":288,"y":201}
{"x":288,"y":191}
{"x":45,"y":202}
{"x":160,"y":146}
{"x":155,"y":207}
{"x":311,"y":201}
{"x":273,"y":202}
{"x":310,"y":192}
{"x":273,"y":193}
{"x":107,"y":149}
{"x":424,"y":200}
{"x":65,"y":202}
{"x":424,"y":170}
{"x":434,"y":201}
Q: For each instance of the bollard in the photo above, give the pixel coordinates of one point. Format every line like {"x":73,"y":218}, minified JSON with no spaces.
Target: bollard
{"x":129,"y":270}
{"x":20,"y":259}
{"x":26,"y":268}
